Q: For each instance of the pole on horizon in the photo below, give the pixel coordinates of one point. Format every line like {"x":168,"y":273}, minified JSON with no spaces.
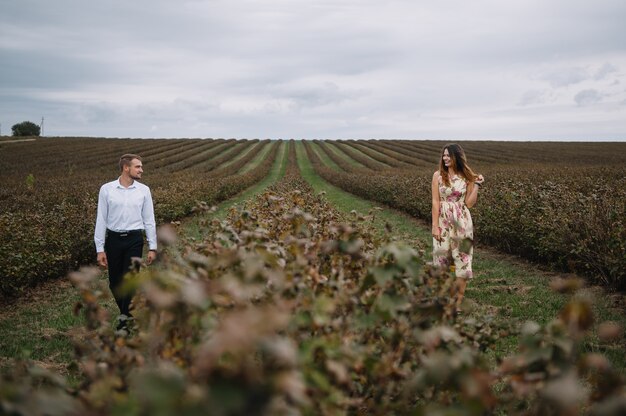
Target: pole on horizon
{"x":41,"y":126}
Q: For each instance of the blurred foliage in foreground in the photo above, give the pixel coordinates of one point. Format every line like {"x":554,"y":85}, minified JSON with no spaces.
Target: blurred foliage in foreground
{"x":286,"y":308}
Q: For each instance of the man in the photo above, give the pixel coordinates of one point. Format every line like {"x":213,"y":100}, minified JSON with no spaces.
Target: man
{"x":125,"y":212}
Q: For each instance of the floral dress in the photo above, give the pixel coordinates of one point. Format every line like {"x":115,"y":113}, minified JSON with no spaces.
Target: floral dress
{"x":457,"y":230}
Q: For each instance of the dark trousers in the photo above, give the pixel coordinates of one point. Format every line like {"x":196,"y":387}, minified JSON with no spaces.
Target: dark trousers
{"x":120,"y":248}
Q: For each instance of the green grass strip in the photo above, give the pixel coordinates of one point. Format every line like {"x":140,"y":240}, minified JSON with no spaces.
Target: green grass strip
{"x":239,"y":156}
{"x":192,"y":227}
{"x":322,"y":154}
{"x":258,"y":159}
{"x":332,"y":146}
{"x":356,"y":147}
{"x":401,"y":225}
{"x":38,"y":327}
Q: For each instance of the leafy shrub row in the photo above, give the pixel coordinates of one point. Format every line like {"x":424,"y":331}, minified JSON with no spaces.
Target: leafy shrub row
{"x":573,"y":219}
{"x":178,"y":194}
{"x":339,"y":161}
{"x":483,"y":154}
{"x":47,"y":228}
{"x":405,"y":153}
{"x":289,"y":308}
{"x":381,"y":154}
{"x":226,"y":157}
{"x":359,"y":156}
{"x":181,"y":153}
{"x":205,"y":154}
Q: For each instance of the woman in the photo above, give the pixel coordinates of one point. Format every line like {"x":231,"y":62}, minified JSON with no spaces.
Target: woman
{"x":454,"y":190}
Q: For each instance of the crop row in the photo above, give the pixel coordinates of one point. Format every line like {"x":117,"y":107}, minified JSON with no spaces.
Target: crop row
{"x":410,"y":154}
{"x":63,"y":155}
{"x":409,"y":159}
{"x":179,"y":158}
{"x":378,"y":156}
{"x":288,"y":307}
{"x":359,"y":157}
{"x":341,"y":162}
{"x":571,"y":218}
{"x":47,"y":221}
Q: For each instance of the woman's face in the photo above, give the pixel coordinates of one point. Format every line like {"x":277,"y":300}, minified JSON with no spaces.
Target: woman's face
{"x":447,"y":160}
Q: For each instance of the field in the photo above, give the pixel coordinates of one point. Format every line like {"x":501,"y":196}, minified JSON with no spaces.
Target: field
{"x":296,"y":301}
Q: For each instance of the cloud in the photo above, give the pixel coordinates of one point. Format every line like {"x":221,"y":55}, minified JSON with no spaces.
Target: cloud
{"x":532,"y":97}
{"x":604,"y":70}
{"x":588,"y":97}
{"x":294,"y":68}
{"x":565,"y":76}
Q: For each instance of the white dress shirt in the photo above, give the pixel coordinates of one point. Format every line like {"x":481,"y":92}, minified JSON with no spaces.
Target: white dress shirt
{"x":124,"y":209}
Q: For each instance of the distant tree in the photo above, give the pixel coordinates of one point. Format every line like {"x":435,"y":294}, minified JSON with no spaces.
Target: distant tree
{"x":26,"y":128}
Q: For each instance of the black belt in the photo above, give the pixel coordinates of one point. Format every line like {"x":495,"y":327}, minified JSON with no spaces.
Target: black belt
{"x":124,"y":233}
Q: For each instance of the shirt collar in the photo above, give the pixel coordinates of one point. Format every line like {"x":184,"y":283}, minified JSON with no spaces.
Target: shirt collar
{"x":119,"y":184}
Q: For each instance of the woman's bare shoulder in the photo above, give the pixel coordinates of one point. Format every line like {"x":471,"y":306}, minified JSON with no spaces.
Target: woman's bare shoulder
{"x":436,"y":175}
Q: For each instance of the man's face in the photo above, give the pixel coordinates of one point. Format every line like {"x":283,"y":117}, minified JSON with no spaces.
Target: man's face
{"x":135,"y":169}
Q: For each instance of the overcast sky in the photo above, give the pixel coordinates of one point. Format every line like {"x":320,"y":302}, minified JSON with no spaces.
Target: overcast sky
{"x":445,"y":69}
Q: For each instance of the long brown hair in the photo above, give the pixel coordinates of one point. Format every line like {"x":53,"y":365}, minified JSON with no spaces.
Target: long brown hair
{"x":459,"y":164}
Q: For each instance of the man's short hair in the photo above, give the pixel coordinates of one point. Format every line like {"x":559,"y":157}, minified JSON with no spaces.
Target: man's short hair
{"x":126,"y":159}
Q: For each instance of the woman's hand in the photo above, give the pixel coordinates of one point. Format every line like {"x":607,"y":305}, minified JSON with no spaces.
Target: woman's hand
{"x":436,"y":232}
{"x":472,"y":191}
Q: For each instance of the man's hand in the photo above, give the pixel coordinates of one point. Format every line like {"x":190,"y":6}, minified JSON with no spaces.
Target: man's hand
{"x":152,"y":255}
{"x":102,"y":259}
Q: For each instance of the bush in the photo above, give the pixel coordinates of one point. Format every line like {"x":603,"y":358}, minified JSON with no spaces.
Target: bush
{"x":568,"y":218}
{"x":288,"y":307}
{"x":46,"y":227}
{"x":26,"y":128}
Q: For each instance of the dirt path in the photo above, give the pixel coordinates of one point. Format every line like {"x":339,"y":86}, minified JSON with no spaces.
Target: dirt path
{"x":17,"y":141}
